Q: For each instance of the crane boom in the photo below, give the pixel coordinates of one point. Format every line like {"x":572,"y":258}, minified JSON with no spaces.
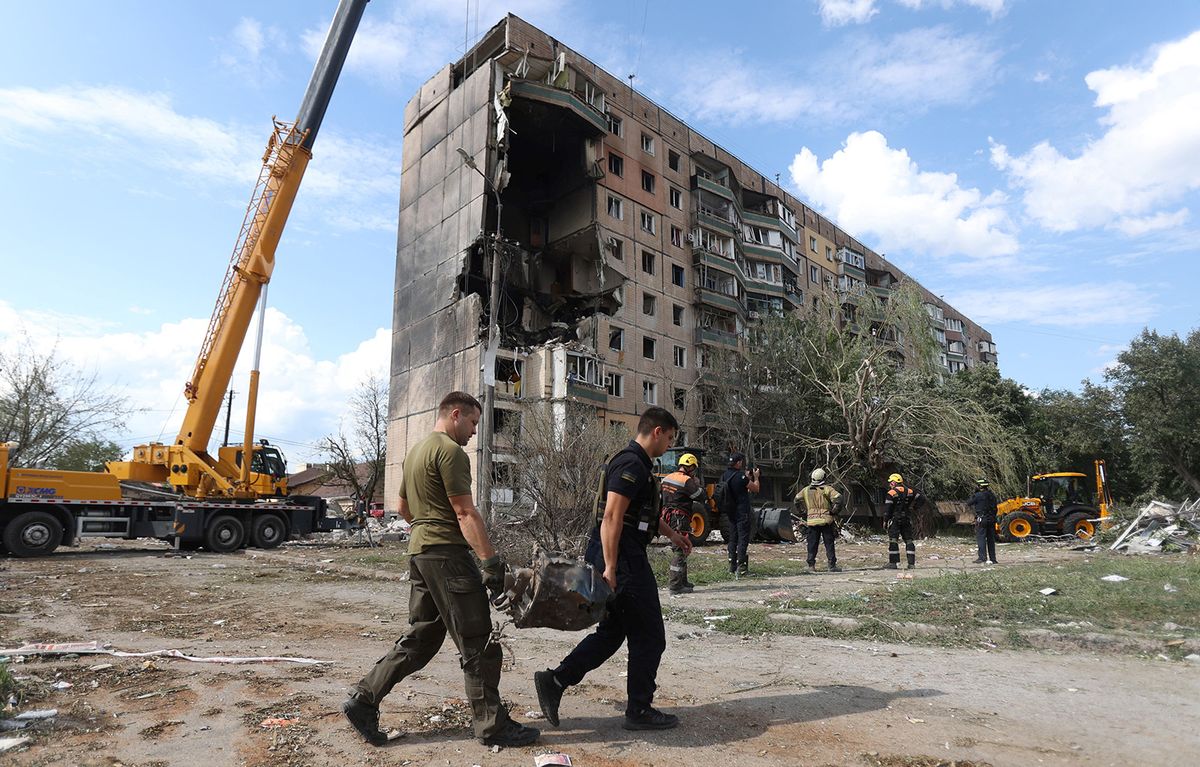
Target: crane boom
{"x":186,"y":463}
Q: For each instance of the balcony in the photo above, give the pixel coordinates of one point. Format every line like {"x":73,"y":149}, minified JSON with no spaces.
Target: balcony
{"x":719,"y":299}
{"x":713,"y":221}
{"x":704,"y":257}
{"x":763,"y":252}
{"x":717,"y":338}
{"x":587,"y":391}
{"x":708,"y":185}
{"x":584,"y":113}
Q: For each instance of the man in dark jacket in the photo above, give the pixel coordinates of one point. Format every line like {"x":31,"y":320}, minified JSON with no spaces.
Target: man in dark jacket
{"x":739,"y":484}
{"x":983,"y":503}
{"x":899,"y":503}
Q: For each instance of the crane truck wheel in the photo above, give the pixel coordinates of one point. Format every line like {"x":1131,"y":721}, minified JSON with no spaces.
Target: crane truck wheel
{"x":224,"y":534}
{"x":33,"y":534}
{"x":1079,"y":525}
{"x":268,"y":531}
{"x":1016,"y":526}
{"x":701,"y":524}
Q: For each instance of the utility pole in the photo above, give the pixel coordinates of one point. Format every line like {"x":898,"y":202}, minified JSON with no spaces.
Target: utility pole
{"x":487,"y":417}
{"x":228,"y":412}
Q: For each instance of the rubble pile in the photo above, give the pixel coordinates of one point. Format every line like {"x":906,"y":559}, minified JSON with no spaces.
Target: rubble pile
{"x":1162,"y":527}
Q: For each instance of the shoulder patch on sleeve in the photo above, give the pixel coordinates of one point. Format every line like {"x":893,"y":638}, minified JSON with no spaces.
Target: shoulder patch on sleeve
{"x":628,"y":476}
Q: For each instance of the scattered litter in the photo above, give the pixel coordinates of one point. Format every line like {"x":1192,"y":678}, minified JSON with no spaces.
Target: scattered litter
{"x":219,"y":622}
{"x":1162,"y":526}
{"x":1047,"y":591}
{"x":10,"y":743}
{"x":905,"y":576}
{"x":533,"y":715}
{"x":278,"y":721}
{"x":1193,"y":657}
{"x":437,"y":719}
{"x":12,"y":724}
{"x":1169,"y":588}
{"x":548,"y":760}
{"x":1175,"y":642}
{"x":1114,"y":578}
{"x":717,"y":617}
{"x":779,"y":594}
{"x":46,"y":713}
{"x":100,"y":648}
{"x":101,"y":666}
{"x":61,"y":685}
{"x":915,"y":721}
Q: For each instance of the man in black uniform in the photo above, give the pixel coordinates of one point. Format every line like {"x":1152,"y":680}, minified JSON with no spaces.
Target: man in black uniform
{"x":983,"y":502}
{"x":898,"y":506}
{"x":739,"y":484}
{"x":628,"y":505}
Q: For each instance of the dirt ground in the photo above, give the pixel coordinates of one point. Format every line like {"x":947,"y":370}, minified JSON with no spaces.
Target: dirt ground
{"x":742,"y":700}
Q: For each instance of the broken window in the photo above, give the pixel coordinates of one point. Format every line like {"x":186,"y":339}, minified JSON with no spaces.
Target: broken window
{"x":616,"y":339}
{"x":677,"y":314}
{"x":649,"y":392}
{"x":617,"y":248}
{"x":680,"y":400}
{"x":647,"y":262}
{"x":676,"y":236}
{"x":648,"y":182}
{"x":615,"y":125}
{"x":649,"y":303}
{"x":672,"y":159}
{"x":676,"y":198}
{"x":680,"y":355}
{"x":648,"y":344}
{"x":648,"y":222}
{"x":647,"y":143}
{"x":508,"y":423}
{"x":508,"y":376}
{"x":581,"y":369}
{"x":616,"y":164}
{"x":614,"y":207}
{"x":677,"y":275}
{"x":614,"y":384}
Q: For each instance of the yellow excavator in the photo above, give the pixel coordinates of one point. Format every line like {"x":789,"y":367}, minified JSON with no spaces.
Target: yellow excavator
{"x":238,"y":497}
{"x":1056,"y":503}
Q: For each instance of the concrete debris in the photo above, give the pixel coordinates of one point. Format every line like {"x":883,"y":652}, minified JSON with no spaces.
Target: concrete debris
{"x":548,"y":760}
{"x":75,"y":649}
{"x":11,"y":743}
{"x":1162,"y":527}
{"x":1114,"y":578}
{"x":1047,"y":591}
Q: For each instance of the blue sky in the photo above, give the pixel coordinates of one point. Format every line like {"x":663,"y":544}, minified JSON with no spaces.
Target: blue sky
{"x":1036,"y":163}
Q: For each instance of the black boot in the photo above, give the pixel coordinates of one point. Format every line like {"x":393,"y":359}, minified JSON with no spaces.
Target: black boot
{"x":365,"y":719}
{"x":650,"y":719}
{"x":549,"y":693}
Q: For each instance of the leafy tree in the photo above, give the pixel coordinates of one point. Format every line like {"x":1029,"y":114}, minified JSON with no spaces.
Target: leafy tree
{"x":47,"y":406}
{"x":1156,"y":384}
{"x":86,"y":455}
{"x":357,"y":460}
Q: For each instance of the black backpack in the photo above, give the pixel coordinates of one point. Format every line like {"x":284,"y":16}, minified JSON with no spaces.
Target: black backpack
{"x":721,"y":496}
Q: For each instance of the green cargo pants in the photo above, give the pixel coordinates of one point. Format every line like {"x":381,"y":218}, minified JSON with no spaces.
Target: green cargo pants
{"x":447,"y":595}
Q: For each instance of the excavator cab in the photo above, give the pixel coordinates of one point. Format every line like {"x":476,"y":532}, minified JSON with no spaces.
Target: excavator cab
{"x":1057,"y":491}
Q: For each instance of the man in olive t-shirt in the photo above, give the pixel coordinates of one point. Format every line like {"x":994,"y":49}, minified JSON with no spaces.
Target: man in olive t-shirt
{"x":447,"y":592}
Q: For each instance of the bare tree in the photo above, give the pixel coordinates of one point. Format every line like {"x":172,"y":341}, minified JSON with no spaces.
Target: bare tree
{"x":563,"y":447}
{"x":357,"y":460}
{"x":48,"y":405}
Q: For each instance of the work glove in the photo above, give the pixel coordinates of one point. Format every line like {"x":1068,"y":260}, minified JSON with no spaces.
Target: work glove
{"x":493,"y":576}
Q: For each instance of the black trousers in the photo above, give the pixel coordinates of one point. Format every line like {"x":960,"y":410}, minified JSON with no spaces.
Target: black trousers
{"x":897,"y":528}
{"x":738,"y":539}
{"x":818,"y":533}
{"x":985,"y":537}
{"x":635,"y":615}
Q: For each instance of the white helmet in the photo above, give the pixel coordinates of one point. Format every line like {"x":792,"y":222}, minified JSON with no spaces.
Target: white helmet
{"x":818,"y":476}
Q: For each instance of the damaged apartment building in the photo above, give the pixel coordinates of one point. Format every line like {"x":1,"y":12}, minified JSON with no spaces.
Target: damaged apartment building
{"x":627,"y":248}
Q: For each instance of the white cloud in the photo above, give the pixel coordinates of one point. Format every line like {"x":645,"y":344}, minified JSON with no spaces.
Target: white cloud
{"x":1041,"y":77}
{"x":1148,"y":157}
{"x":301,"y":397}
{"x":836,"y":13}
{"x":247,"y":51}
{"x":907,"y":73}
{"x":1084,"y":305}
{"x":356,"y":178}
{"x":1135,"y":226}
{"x":876,"y":191}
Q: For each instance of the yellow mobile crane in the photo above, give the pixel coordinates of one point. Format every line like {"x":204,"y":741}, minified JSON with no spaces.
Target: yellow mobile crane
{"x":225,"y":502}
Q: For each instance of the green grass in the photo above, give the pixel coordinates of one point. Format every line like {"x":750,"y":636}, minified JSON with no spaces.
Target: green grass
{"x":8,"y":686}
{"x":706,"y":570}
{"x":395,"y":559}
{"x":961,"y":604}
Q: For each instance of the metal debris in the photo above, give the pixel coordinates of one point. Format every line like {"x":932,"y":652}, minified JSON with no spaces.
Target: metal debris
{"x":1162,"y":526}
